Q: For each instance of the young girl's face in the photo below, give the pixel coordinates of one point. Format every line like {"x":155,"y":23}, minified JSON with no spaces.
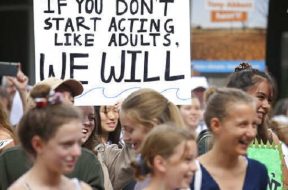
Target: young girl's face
{"x":134,"y":132}
{"x":180,"y":166}
{"x":191,"y":113}
{"x":263,"y":93}
{"x":109,"y":116}
{"x":62,"y":151}
{"x":238,"y":129}
{"x":88,"y":122}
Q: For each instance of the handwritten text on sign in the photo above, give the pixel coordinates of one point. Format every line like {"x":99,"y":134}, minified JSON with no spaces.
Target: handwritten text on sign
{"x":115,"y":46}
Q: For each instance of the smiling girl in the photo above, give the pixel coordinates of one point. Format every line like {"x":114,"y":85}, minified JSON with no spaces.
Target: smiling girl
{"x":168,"y":155}
{"x":261,"y":86}
{"x":141,"y":111}
{"x":231,"y":116}
{"x":51,"y":134}
{"x":191,"y":113}
{"x":108,"y":124}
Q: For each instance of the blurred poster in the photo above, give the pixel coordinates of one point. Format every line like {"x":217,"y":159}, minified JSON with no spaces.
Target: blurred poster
{"x":227,"y":32}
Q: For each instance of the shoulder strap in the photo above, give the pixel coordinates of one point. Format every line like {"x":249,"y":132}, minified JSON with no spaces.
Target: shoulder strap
{"x":198,"y":176}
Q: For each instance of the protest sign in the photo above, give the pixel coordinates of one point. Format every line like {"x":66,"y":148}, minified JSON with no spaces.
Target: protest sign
{"x":270,"y":156}
{"x":114,"y":46}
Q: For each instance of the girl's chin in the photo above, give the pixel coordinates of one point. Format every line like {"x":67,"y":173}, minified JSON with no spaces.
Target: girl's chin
{"x":136,"y":148}
{"x":260,"y":118}
{"x":83,"y":140}
{"x":68,"y":170}
{"x":110,"y":129}
{"x":259,"y":121}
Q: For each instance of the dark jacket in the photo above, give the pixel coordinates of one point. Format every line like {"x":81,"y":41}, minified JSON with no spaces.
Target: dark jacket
{"x":14,"y":162}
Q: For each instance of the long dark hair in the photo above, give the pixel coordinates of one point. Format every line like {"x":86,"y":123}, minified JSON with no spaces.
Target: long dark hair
{"x":246,"y":77}
{"x":113,"y":137}
{"x":93,"y":139}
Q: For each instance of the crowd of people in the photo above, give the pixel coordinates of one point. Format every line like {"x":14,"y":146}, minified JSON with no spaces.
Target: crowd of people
{"x":143,"y":142}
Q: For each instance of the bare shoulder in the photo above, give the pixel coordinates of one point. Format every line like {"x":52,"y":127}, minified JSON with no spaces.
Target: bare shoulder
{"x":85,"y":186}
{"x":274,"y":137}
{"x":18,"y":185}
